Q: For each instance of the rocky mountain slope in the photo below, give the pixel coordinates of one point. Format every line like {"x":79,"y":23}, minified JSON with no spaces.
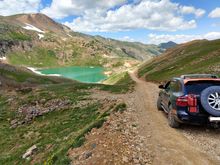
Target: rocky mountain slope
{"x":40,"y":21}
{"x":199,"y":56}
{"x":25,"y":37}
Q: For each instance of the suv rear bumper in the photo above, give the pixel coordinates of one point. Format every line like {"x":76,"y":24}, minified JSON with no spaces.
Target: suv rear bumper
{"x":214,"y":119}
{"x":184,"y":117}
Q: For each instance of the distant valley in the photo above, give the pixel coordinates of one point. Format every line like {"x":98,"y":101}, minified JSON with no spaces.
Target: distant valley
{"x":36,"y":40}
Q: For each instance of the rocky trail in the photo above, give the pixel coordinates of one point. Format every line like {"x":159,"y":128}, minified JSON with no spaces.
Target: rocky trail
{"x":141,"y":135}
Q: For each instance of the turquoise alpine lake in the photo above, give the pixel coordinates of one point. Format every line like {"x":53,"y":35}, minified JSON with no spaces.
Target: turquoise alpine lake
{"x":82,"y":74}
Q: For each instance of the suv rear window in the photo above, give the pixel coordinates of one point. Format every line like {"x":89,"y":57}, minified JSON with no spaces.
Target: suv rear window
{"x":196,"y":87}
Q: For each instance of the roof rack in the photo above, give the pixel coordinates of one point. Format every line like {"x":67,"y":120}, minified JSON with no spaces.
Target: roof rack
{"x":191,"y":76}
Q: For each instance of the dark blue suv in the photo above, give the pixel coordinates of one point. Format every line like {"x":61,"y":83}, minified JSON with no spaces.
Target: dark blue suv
{"x":193,"y":99}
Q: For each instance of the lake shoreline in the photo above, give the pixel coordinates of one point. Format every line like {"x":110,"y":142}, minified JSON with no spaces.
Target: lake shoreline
{"x":85,"y":74}
{"x":35,"y":70}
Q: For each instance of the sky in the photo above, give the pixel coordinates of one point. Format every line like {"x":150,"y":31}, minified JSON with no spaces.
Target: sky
{"x":146,"y":21}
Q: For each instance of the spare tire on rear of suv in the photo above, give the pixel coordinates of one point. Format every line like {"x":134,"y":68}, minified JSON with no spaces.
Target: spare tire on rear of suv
{"x":210,"y":100}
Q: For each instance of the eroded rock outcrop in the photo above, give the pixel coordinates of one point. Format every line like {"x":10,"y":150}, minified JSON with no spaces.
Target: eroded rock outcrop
{"x":9,"y":45}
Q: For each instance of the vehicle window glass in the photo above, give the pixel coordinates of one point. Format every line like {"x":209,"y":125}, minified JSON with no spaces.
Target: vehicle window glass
{"x":197,"y":87}
{"x":172,"y":85}
{"x":177,"y":86}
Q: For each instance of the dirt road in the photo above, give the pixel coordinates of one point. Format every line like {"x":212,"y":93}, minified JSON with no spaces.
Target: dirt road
{"x":141,"y":135}
{"x":167,"y":145}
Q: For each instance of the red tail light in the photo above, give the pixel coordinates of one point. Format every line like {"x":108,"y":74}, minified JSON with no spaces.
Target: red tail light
{"x":192,"y":100}
{"x":182,"y":101}
{"x":192,"y":103}
{"x":188,"y":101}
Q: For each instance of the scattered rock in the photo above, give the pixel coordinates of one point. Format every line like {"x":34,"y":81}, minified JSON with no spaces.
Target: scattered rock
{"x":93,"y":145}
{"x":36,"y":109}
{"x":30,"y":152}
{"x":87,"y":154}
{"x":10,"y":100}
{"x":136,"y":161}
{"x":43,"y":101}
{"x":148,"y":136}
{"x":125,"y":159}
{"x":24,"y":90}
{"x":14,"y":121}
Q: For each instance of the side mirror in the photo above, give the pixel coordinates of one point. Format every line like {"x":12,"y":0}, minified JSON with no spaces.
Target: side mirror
{"x":161,"y":87}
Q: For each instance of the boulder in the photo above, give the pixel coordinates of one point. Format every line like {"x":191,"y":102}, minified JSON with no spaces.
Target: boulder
{"x":30,"y":152}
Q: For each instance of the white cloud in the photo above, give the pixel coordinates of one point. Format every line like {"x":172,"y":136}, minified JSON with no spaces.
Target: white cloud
{"x":215,"y":13}
{"x":162,"y":15}
{"x":192,"y":10}
{"x":60,"y":9}
{"x":212,"y":35}
{"x":10,"y":7}
{"x":181,"y":38}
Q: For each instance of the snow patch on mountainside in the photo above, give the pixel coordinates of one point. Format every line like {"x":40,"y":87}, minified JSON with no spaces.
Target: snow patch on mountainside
{"x":40,"y":36}
{"x":31,"y":27}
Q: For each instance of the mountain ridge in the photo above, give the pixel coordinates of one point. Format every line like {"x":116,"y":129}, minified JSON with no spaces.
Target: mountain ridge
{"x":35,"y":40}
{"x":168,"y":45}
{"x":39,"y":20}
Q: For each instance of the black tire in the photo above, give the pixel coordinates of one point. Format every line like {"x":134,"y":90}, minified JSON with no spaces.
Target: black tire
{"x":171,"y":119}
{"x":159,"y":107}
{"x":206,"y":95}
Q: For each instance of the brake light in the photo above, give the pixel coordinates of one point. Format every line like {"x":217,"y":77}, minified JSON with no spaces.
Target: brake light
{"x":192,"y":100}
{"x":188,"y":101}
{"x":192,"y":103}
{"x":182,"y":101}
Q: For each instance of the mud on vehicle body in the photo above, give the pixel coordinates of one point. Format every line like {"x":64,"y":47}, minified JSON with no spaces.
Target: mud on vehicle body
{"x":192,"y":99}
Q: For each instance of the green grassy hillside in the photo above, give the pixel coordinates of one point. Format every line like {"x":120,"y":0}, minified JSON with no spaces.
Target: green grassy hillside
{"x":194,"y":57}
{"x":55,"y":132}
{"x":119,"y":83}
{"x":37,"y":57}
{"x":69,"y":112}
